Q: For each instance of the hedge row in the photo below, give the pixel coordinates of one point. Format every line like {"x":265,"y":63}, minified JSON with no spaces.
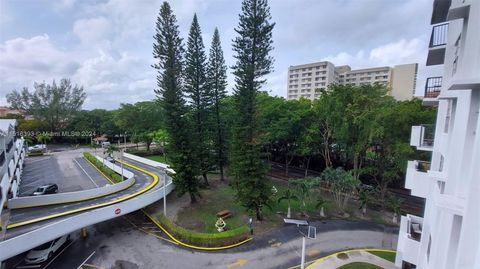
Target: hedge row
{"x":226,"y":238}
{"x":35,"y":154}
{"x":144,"y":152}
{"x":112,"y":175}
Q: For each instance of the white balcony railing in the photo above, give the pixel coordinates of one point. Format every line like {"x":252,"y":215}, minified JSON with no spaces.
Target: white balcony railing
{"x":417,"y":178}
{"x":422,"y":137}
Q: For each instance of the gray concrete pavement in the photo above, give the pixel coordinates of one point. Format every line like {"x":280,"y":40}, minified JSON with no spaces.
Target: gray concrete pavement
{"x":125,"y":246}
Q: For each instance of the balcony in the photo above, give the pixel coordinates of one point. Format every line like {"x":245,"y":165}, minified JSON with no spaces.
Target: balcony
{"x":433,"y":86}
{"x":409,"y":238}
{"x":417,"y":179}
{"x":438,"y":42}
{"x":422,"y":137}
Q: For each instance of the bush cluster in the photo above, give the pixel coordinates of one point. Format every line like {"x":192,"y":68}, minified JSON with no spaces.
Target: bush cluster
{"x":35,"y":154}
{"x":226,"y":238}
{"x":112,"y":175}
{"x":144,"y":152}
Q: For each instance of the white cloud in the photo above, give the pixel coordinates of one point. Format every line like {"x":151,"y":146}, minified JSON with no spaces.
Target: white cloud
{"x":91,"y":31}
{"x":23,"y":61}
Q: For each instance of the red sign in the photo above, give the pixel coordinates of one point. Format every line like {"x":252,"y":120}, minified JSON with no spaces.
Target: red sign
{"x":118,"y":211}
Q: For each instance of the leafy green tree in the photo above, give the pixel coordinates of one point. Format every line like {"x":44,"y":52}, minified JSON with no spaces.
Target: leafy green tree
{"x":290,"y":196}
{"x":54,"y":104}
{"x":199,"y":95}
{"x":139,"y":119}
{"x":353,"y":112}
{"x":365,"y":197}
{"x":303,"y":188}
{"x":342,"y":183}
{"x":252,"y":47}
{"x":43,"y":137}
{"x":160,"y":137}
{"x":390,"y":150}
{"x":168,"y":51}
{"x":395,"y":204}
{"x":321,"y":203}
{"x":217,"y":82}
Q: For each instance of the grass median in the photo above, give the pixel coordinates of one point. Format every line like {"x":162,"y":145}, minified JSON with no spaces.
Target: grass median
{"x":112,"y":175}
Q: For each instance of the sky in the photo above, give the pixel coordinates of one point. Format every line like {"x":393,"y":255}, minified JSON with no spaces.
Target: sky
{"x":106,"y":45}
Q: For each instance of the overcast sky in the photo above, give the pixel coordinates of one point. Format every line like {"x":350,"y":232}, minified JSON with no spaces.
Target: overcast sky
{"x":106,"y":46}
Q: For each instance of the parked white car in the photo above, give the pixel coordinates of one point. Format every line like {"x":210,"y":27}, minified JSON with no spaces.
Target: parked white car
{"x":37,"y":147}
{"x":45,"y":251}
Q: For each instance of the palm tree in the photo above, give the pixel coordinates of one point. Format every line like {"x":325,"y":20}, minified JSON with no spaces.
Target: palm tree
{"x":321,"y":203}
{"x":303,"y":188}
{"x":395,"y":204}
{"x":289,"y":196}
{"x":42,"y":138}
{"x":365,"y":197}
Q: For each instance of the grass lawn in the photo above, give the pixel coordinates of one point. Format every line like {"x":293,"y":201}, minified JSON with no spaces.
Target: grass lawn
{"x":389,"y":256}
{"x":359,"y":265}
{"x":157,"y":158}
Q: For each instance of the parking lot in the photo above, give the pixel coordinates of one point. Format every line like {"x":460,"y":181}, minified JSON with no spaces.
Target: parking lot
{"x":67,"y":169}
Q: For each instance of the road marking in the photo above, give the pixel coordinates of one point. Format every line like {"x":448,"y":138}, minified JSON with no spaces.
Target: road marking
{"x":88,"y":258}
{"x":149,"y":232}
{"x":58,"y":254}
{"x":94,"y":206}
{"x":313,"y":252}
{"x":91,"y":179}
{"x":93,"y":266}
{"x":29,"y":266}
{"x":239,"y":263}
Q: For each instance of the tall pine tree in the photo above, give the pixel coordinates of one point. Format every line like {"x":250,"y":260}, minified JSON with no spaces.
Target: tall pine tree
{"x":217,"y":82}
{"x":252,"y":47}
{"x":168,"y":50}
{"x":199,"y":95}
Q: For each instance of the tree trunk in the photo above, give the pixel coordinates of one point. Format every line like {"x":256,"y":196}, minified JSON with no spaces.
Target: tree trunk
{"x":364,"y":210}
{"x":222,"y":176}
{"x":193,"y":199}
{"x":205,"y":178}
{"x":289,"y":213}
{"x":395,"y":218}
{"x":322,"y":212}
{"x":148,"y":146}
{"x":308,"y":164}
{"x":258,"y":212}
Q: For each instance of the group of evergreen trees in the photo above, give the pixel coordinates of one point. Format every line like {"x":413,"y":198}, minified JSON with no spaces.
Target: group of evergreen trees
{"x":191,"y":89}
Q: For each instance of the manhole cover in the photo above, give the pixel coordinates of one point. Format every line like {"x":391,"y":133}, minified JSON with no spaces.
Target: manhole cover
{"x":342,"y":256}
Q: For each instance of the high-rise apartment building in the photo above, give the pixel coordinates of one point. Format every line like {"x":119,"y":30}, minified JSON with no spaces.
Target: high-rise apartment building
{"x":447,"y":236}
{"x":305,"y":80}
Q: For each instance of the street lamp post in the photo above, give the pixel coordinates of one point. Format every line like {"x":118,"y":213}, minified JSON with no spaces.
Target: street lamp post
{"x":311,"y":233}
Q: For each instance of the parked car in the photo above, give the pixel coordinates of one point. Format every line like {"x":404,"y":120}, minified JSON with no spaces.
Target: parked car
{"x":46,"y":189}
{"x":37,"y":147}
{"x":45,"y":251}
{"x":105,"y":144}
{"x":110,"y":159}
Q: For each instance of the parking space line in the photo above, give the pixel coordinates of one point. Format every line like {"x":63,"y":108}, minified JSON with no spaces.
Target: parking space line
{"x":54,"y":258}
{"x":92,"y":265}
{"x":86,"y":260}
{"x":91,"y":179}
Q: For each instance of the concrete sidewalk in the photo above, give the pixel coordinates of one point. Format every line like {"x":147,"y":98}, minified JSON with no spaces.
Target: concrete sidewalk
{"x":333,"y":261}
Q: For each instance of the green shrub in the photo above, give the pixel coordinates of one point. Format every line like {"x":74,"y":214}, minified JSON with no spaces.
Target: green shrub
{"x":35,"y":154}
{"x":144,"y":152}
{"x":112,"y":175}
{"x":226,"y":238}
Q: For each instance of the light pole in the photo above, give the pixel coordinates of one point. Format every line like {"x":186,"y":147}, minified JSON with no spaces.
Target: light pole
{"x":312,"y":233}
{"x":164,"y":193}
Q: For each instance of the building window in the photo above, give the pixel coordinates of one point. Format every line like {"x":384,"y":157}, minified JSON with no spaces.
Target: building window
{"x":455,"y":59}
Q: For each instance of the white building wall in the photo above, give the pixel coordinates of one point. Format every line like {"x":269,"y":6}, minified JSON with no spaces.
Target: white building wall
{"x":451,"y":222}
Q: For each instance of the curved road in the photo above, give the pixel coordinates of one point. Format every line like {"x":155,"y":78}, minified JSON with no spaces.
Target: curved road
{"x":28,"y":219}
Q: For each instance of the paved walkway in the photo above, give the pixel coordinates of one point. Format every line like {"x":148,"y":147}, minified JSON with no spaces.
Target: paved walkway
{"x":332,"y":262}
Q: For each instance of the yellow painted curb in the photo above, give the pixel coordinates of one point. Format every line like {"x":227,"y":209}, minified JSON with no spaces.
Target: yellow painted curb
{"x":312,"y":263}
{"x":80,"y":200}
{"x":191,"y":246}
{"x":154,"y":182}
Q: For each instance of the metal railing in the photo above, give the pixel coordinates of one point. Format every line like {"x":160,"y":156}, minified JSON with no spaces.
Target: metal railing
{"x":428,"y":135}
{"x":422,"y":166}
{"x":439,"y":35}
{"x":433,"y":86}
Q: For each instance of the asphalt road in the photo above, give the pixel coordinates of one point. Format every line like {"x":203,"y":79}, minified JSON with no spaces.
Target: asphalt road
{"x":24,"y":214}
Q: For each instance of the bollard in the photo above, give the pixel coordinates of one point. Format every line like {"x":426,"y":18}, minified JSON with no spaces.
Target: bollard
{"x":83,"y":232}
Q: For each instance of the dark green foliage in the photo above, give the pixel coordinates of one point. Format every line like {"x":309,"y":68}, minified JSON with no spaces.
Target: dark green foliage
{"x":199,"y":95}
{"x":217,"y":83}
{"x":252,"y":47}
{"x":168,"y":50}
